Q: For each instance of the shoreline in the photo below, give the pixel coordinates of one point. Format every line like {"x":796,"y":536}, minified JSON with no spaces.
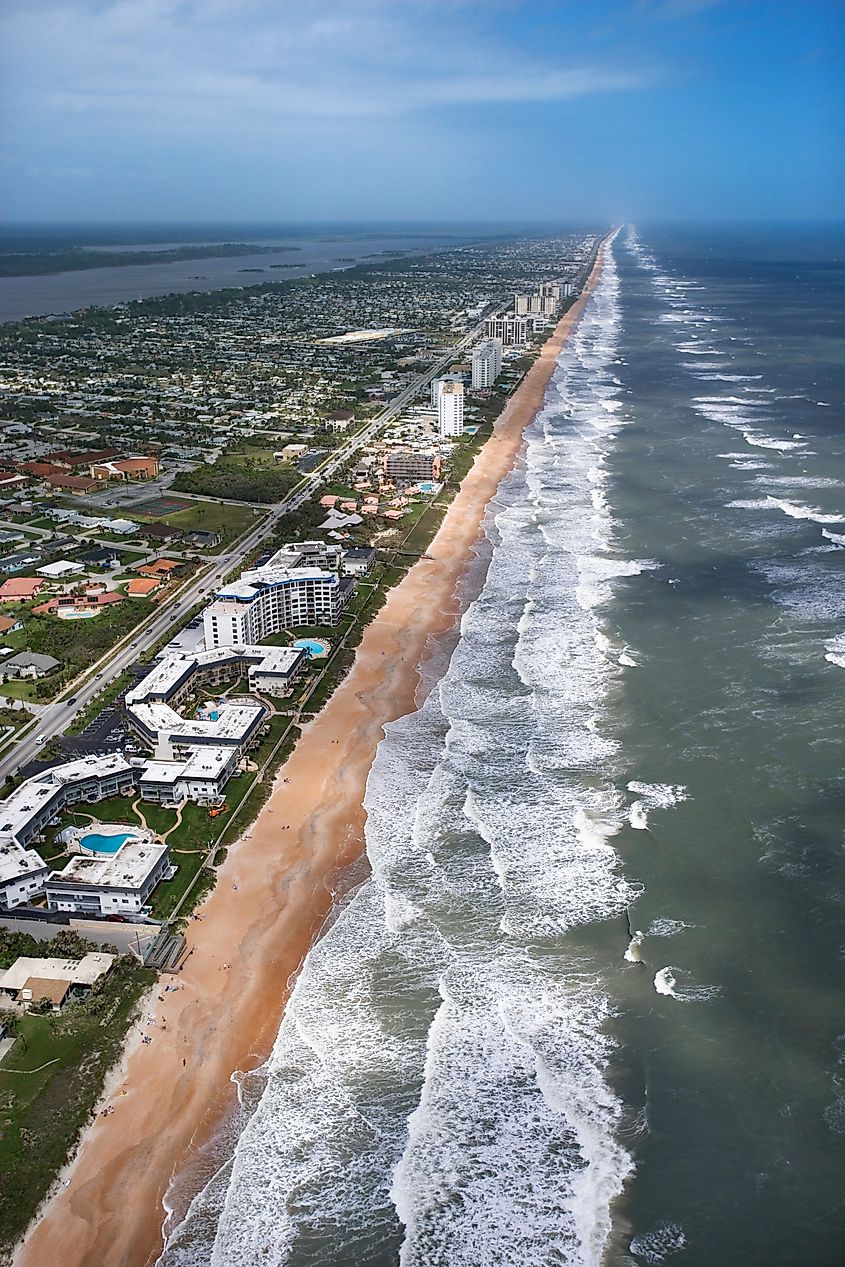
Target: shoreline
{"x":271,"y":900}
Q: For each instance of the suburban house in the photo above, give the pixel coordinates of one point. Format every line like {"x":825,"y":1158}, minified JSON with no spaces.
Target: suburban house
{"x":158,"y":531}
{"x":21,"y":589}
{"x":28,"y":664}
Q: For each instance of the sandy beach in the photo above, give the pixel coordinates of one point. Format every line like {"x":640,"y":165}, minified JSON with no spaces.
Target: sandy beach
{"x":273,"y":894}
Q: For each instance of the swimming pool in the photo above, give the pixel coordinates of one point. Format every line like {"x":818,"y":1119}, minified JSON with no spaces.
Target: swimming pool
{"x":313,"y":646}
{"x":101,"y":843}
{"x":429,"y":487}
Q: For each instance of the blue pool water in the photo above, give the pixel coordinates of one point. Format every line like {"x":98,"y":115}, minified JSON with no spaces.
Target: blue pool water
{"x":105,"y":844}
{"x":429,"y":487}
{"x":312,"y":646}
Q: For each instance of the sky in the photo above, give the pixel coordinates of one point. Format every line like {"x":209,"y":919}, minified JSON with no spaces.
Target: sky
{"x":446,"y":110}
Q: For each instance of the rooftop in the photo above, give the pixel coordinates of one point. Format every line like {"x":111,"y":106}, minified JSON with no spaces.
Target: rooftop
{"x":83,"y":971}
{"x":126,"y":869}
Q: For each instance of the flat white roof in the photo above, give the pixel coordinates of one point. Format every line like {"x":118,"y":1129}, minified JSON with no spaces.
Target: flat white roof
{"x":17,"y":862}
{"x":251,"y":583}
{"x":205,"y":763}
{"x":126,"y":869}
{"x":234,"y":722}
{"x":174,"y":669}
{"x":61,"y":568}
{"x":83,"y":971}
{"x":18,"y":808}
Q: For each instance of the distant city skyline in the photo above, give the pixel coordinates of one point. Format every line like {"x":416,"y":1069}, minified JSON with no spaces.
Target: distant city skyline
{"x":254,"y":110}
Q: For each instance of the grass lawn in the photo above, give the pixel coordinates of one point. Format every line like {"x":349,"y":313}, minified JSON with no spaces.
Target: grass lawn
{"x":43,"y":1110}
{"x":210,"y":516}
{"x":168,"y":893}
{"x":20,"y":689}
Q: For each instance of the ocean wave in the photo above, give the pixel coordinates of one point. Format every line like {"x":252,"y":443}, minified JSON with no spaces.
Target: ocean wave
{"x":491,"y":815}
{"x":655,"y":1247}
{"x":835,"y":651}
{"x":653,"y":796}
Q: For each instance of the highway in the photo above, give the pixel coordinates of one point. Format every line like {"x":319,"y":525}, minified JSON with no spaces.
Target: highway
{"x":56,"y":718}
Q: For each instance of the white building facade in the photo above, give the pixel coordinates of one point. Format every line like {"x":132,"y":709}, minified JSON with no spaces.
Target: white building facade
{"x":511,"y":329}
{"x":450,"y":411}
{"x":267,"y":600}
{"x":486,"y":363}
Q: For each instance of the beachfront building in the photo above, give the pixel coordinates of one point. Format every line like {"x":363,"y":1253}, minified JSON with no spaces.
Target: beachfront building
{"x":510,"y":329}
{"x":408,"y":466}
{"x":437,"y":385}
{"x":297,"y":554}
{"x":117,"y":883}
{"x":486,"y":363}
{"x":38,"y":803}
{"x":450,"y":413}
{"x":29,"y":981}
{"x":199,"y":777}
{"x":268,"y":599}
{"x":359,"y":561}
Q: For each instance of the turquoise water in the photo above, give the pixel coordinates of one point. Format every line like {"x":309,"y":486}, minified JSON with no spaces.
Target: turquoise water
{"x":105,"y":844}
{"x":428,"y":487}
{"x":312,"y":646}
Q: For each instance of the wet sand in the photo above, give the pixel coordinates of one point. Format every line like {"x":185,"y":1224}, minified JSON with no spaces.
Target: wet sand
{"x":272,"y":896}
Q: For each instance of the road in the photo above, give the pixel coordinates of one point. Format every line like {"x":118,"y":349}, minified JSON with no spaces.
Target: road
{"x":57,"y":717}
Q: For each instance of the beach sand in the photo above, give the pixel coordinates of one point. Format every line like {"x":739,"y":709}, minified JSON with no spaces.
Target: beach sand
{"x":169,"y":1096}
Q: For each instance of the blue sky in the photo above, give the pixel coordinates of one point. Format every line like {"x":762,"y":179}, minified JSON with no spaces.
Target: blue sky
{"x":276,"y":110}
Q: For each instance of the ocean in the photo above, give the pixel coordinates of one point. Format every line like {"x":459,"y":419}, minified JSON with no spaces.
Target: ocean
{"x":587,"y":1008}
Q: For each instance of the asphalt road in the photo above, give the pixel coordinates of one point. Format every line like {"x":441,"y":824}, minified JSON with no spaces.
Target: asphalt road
{"x":56,"y":718}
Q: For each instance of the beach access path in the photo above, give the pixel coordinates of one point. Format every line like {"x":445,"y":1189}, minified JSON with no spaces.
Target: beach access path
{"x":272,"y":896}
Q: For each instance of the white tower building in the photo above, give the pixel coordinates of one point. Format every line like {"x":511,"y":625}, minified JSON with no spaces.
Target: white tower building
{"x":486,"y":363}
{"x":450,"y":409}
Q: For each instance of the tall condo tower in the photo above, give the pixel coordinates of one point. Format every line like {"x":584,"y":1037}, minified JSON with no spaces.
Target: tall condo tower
{"x":450,"y":409}
{"x":486,"y":363}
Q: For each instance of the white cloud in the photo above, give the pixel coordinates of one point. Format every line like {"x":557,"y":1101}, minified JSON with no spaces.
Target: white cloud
{"x":233,"y":64}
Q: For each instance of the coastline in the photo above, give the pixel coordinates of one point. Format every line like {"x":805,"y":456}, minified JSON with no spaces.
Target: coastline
{"x":271,"y":899}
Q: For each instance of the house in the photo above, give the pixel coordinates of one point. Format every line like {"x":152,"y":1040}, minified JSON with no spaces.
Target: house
{"x":359,"y":561}
{"x":61,"y":569}
{"x":77,"y":602}
{"x":30,"y":980}
{"x":9,"y":538}
{"x":28,"y":664}
{"x":8,"y":624}
{"x":142,"y":586}
{"x":20,"y":590}
{"x":103,"y":557}
{"x":158,"y":531}
{"x":204,"y":540}
{"x":17,"y":562}
{"x":159,"y":567}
